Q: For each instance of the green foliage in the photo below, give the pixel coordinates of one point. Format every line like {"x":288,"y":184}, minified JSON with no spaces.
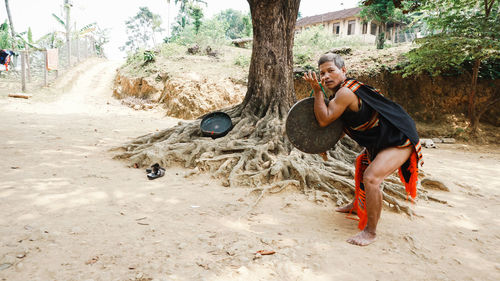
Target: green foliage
{"x":141,"y":29}
{"x":196,"y":13}
{"x":148,"y":56}
{"x":30,"y":35}
{"x":5,"y":38}
{"x":311,"y":43}
{"x":379,"y":10}
{"x":463,"y":32}
{"x":242,"y":60}
{"x":59,"y":20}
{"x":238,"y":24}
{"x":171,"y":49}
{"x":211,"y":33}
{"x":383,"y":11}
{"x":184,"y":17}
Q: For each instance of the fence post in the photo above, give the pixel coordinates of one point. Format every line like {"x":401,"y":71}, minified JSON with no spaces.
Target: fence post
{"x":23,"y":71}
{"x":69,"y":53}
{"x":78,"y":49}
{"x":45,"y":74}
{"x":28,"y":65}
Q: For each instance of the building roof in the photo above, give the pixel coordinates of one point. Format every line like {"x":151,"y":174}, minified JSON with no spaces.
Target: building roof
{"x":342,"y":14}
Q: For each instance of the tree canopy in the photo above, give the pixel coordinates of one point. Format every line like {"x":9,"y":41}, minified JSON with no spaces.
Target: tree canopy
{"x":141,"y":29}
{"x":464,"y":37}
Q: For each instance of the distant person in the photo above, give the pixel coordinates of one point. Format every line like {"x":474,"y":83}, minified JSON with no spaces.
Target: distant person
{"x":381,"y":126}
{"x":5,"y":57}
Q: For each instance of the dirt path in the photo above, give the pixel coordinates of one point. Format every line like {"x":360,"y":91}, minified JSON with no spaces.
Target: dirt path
{"x":70,"y":212}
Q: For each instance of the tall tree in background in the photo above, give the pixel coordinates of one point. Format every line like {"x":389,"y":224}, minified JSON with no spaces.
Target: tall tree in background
{"x":5,"y":38}
{"x":257,"y":152}
{"x":11,"y":23}
{"x":141,"y":29}
{"x":381,"y":11}
{"x":196,"y":13}
{"x":468,"y":35}
{"x":238,"y":24}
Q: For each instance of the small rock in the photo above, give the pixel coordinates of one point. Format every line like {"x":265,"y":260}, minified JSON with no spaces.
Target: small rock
{"x":243,"y":270}
{"x":434,"y":184}
{"x":5,"y":266}
{"x":192,"y":172}
{"x":181,"y":246}
{"x":76,"y":230}
{"x":449,"y":140}
{"x":437,"y":140}
{"x":427,"y":143}
{"x":139,"y":275}
{"x":10,"y":259}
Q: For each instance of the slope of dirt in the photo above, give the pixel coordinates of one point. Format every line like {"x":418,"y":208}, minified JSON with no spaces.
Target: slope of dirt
{"x":70,"y":212}
{"x":186,"y":86}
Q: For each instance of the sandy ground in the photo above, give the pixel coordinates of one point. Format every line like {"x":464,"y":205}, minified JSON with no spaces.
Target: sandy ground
{"x":68,"y":211}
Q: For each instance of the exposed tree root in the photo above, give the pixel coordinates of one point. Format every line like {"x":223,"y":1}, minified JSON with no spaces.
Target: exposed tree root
{"x":257,"y":153}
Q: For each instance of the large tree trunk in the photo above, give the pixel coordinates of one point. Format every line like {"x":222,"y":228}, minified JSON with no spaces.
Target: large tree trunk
{"x":7,"y":8}
{"x":270,"y":80}
{"x":257,"y":153}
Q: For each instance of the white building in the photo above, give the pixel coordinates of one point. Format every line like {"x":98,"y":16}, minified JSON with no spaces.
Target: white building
{"x":347,"y":22}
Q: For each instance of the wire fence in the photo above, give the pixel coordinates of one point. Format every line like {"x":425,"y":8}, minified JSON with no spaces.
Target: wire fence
{"x":29,"y":70}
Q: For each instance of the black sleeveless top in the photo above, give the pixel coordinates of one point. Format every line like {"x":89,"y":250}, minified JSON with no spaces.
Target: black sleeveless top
{"x":371,"y":130}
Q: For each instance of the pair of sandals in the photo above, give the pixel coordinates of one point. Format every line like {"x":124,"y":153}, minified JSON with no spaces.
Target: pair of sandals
{"x":155,"y":172}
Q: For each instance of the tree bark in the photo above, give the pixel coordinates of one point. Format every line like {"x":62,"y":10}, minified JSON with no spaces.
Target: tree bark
{"x":472,"y":97}
{"x":68,"y":30}
{"x":270,"y":79}
{"x":7,"y":8}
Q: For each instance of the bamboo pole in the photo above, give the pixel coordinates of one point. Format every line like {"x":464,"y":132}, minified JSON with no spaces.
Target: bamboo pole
{"x":28,"y":65}
{"x":78,"y":50}
{"x":45,"y":70}
{"x":23,"y":71}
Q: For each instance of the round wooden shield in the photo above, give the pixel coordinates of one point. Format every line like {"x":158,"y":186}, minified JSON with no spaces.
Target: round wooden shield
{"x":304,"y":132}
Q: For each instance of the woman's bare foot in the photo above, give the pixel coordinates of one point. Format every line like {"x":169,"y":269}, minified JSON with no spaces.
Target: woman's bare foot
{"x":363,"y":238}
{"x":346,"y":208}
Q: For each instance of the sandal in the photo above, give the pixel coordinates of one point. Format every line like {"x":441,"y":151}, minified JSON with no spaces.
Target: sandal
{"x":155,"y":172}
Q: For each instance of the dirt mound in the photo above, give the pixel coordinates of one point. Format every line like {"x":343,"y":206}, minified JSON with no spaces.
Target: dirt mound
{"x":187,"y":98}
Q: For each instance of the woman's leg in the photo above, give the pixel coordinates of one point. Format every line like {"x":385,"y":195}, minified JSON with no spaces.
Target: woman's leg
{"x":384,"y":164}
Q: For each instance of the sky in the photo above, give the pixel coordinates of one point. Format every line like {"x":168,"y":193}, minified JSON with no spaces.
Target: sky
{"x":112,"y":14}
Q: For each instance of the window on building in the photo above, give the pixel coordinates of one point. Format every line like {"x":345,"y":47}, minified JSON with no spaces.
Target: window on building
{"x":350,"y":27}
{"x":365,"y":28}
{"x":373,"y":29}
{"x":336,"y":28}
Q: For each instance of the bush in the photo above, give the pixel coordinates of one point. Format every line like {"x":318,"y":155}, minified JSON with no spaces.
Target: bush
{"x":211,"y":33}
{"x":311,"y":43}
{"x":242,"y":61}
{"x":148,"y":56}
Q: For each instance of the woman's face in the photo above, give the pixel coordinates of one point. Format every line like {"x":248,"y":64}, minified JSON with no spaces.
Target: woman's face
{"x":330,"y":75}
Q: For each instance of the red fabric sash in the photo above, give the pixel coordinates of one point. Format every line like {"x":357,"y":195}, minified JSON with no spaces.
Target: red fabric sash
{"x":408,"y":174}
